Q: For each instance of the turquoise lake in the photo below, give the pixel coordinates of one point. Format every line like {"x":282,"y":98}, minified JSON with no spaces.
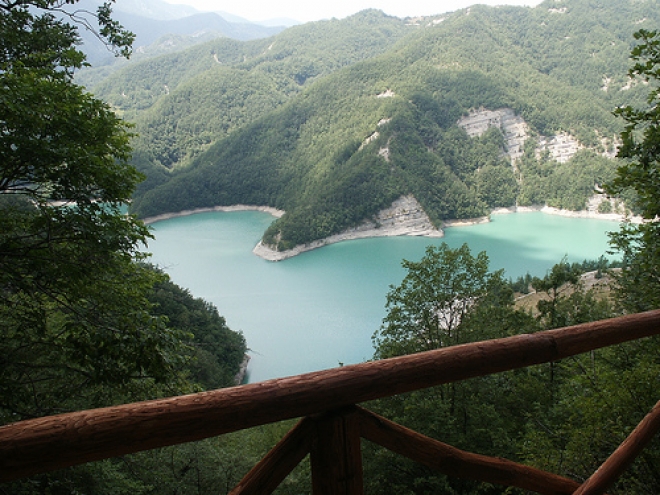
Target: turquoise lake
{"x":320,"y":309}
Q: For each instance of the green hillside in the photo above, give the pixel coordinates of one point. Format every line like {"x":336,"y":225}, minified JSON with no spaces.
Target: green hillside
{"x":332,"y":121}
{"x":290,"y":59}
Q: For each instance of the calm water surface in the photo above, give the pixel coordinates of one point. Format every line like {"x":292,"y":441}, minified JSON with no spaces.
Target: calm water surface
{"x":320,"y":309}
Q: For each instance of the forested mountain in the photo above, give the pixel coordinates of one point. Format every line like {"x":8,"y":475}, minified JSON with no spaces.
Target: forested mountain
{"x":333,"y":121}
{"x":330,"y":121}
{"x":148,"y":31}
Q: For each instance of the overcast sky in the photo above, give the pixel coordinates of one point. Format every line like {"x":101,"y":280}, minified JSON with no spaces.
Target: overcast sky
{"x":313,"y":10}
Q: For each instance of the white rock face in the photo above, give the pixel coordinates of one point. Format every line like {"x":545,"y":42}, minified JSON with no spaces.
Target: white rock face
{"x":387,"y":94}
{"x":513,"y":127}
{"x":404,"y":217}
{"x":370,"y":139}
{"x":385,"y":153}
{"x":561,"y":147}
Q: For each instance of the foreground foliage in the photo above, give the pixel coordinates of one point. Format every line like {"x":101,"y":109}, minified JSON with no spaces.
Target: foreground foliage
{"x":75,"y":314}
{"x":566,"y":417}
{"x":84,"y":322}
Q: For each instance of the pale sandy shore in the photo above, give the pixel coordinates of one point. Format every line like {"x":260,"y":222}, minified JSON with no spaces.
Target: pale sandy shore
{"x":404,"y":217}
{"x":428,"y":230}
{"x":166,"y":216}
{"x":270,"y":254}
{"x":614,"y":217}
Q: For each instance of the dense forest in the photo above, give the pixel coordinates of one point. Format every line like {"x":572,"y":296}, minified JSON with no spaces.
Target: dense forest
{"x":86,"y":321}
{"x":332,"y":121}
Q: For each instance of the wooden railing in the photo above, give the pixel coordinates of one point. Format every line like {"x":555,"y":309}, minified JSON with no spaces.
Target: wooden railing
{"x":333,"y":425}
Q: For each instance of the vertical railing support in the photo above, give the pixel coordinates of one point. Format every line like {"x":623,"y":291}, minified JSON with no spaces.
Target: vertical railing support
{"x":266,"y":476}
{"x":336,"y":458}
{"x":623,"y":456}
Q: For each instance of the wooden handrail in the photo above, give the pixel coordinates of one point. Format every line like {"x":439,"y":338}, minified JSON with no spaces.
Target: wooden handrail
{"x":44,"y":444}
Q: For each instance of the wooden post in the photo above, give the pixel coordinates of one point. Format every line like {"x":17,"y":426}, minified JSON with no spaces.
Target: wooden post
{"x":336,"y":457}
{"x":267,"y":475}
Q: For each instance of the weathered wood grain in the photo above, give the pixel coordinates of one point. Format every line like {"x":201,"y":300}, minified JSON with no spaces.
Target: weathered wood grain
{"x":455,"y":462}
{"x":623,"y":456}
{"x":267,"y":475}
{"x":336,"y":457}
{"x":49,"y":443}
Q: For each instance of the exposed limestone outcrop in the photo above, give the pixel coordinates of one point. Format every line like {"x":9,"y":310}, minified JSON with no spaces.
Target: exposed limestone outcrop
{"x":386,"y":94}
{"x":513,"y":127}
{"x":561,"y":147}
{"x":368,"y":140}
{"x":405,"y":217}
{"x":384,"y":152}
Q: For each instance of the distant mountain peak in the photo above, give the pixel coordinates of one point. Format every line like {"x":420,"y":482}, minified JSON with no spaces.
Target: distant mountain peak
{"x":165,"y":11}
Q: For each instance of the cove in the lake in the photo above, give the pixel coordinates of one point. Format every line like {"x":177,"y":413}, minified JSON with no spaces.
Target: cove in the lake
{"x":319,"y":309}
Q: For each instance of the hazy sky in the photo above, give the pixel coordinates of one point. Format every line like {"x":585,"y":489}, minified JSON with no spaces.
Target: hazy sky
{"x":313,"y":10}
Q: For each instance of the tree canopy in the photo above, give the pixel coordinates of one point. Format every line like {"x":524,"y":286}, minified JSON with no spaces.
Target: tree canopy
{"x":432,"y":304}
{"x":567,"y":416}
{"x":76,"y":321}
{"x":84,"y":321}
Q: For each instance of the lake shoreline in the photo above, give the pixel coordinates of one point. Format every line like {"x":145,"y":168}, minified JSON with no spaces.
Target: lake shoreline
{"x":168,"y":216}
{"x":270,"y":254}
{"x":326,"y":304}
{"x":404,"y":217}
{"x":415,"y":222}
{"x":551,"y":210}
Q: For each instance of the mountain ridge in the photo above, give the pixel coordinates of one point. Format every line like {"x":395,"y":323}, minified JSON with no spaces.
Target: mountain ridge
{"x":154,"y":20}
{"x":333,"y":152}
